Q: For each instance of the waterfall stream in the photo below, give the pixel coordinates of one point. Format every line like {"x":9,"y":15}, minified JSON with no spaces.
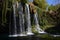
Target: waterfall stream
{"x":29,"y":28}
{"x":37,"y":24}
{"x":21,"y":20}
{"x":14,"y":23}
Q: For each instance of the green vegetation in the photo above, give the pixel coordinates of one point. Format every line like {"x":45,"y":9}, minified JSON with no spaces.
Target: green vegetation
{"x":40,"y":3}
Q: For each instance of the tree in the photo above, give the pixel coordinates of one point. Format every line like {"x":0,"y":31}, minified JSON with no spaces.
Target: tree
{"x":40,"y":3}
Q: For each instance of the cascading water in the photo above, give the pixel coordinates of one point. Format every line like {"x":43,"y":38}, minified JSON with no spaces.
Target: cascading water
{"x":37,"y":24}
{"x":14,"y":19}
{"x":27,"y":11}
{"x":21,"y":20}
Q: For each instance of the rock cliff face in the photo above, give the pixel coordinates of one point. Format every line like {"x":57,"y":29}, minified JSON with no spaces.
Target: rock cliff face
{"x":1,"y":2}
{"x":1,"y":6}
{"x":32,"y":8}
{"x":3,"y":28}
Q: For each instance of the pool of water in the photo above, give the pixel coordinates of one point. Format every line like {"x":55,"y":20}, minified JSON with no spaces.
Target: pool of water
{"x":5,"y":37}
{"x":33,"y":37}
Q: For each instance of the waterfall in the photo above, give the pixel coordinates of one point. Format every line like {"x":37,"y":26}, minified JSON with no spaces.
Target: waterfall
{"x":18,"y":22}
{"x":37,"y":24}
{"x":10,"y":33}
{"x":27,"y":12}
{"x":14,"y":18}
{"x":21,"y":20}
{"x":14,"y":22}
